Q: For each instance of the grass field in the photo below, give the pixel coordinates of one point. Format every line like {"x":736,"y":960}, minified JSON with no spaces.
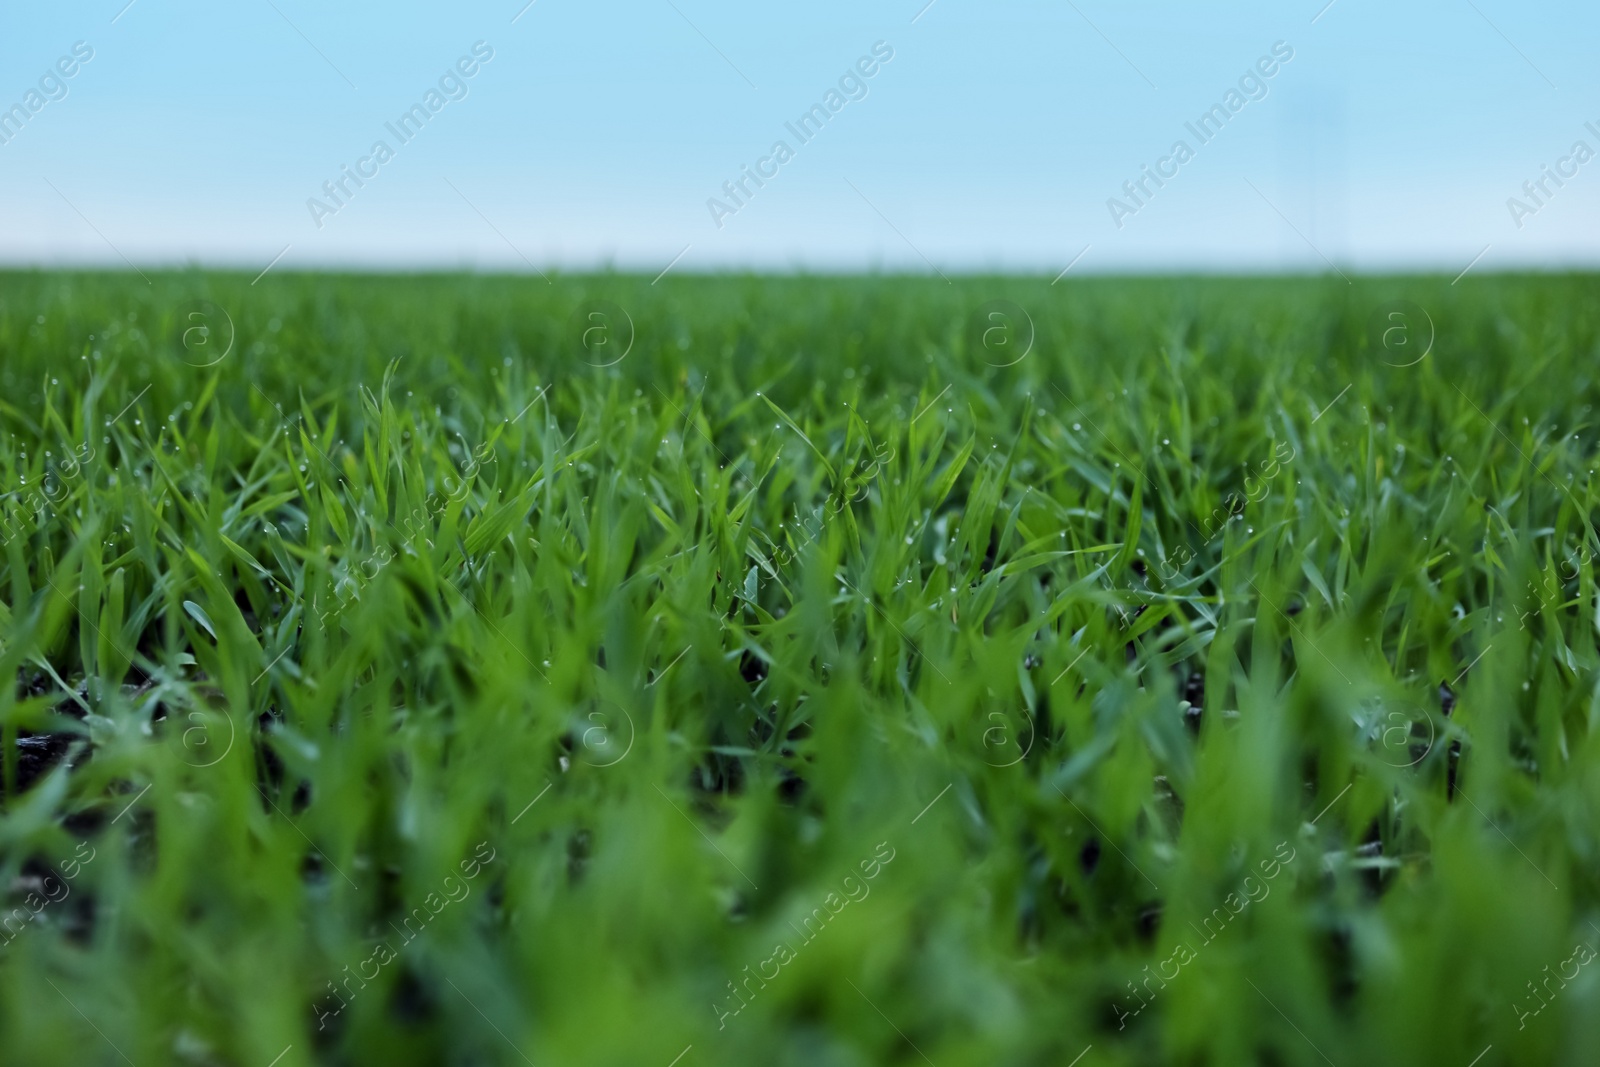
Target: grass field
{"x":454,"y":670}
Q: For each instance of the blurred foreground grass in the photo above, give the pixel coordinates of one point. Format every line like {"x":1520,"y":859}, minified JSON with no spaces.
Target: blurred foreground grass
{"x":452,"y":670}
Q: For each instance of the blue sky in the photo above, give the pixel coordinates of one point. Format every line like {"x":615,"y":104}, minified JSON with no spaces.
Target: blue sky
{"x":993,"y":139}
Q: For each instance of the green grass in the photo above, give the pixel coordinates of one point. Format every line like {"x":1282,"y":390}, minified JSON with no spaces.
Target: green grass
{"x":1201,"y":687}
